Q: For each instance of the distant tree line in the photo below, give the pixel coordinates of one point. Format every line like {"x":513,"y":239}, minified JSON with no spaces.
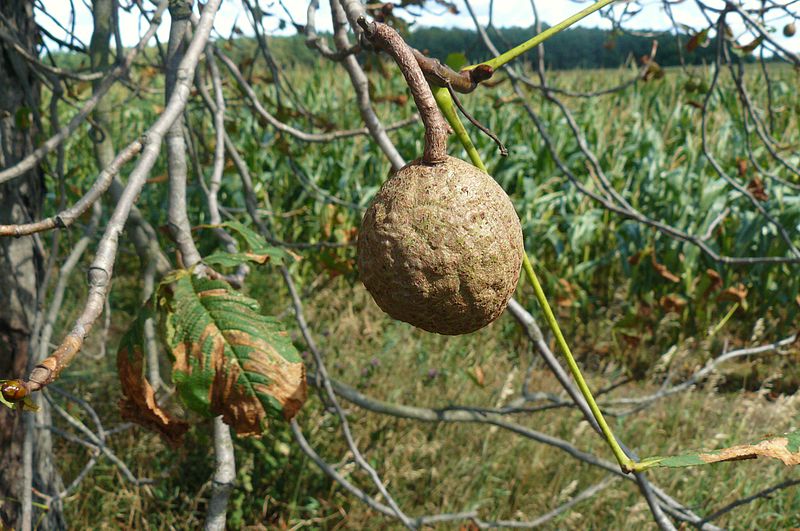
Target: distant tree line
{"x":572,"y":48}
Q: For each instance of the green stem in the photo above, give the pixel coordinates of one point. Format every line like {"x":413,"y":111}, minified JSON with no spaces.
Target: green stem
{"x":724,"y":321}
{"x":445,"y":103}
{"x":624,"y":461}
{"x":515,"y":52}
{"x":448,"y":108}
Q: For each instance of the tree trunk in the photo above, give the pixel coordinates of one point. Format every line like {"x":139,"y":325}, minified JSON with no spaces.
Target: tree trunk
{"x":20,"y":260}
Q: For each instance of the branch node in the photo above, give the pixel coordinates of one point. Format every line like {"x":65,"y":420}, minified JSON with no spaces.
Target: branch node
{"x":97,"y":277}
{"x":481,"y":73}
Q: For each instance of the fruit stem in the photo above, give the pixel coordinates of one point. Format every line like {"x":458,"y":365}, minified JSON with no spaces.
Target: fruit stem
{"x":436,"y":130}
{"x":626,"y":463}
{"x":445,"y":101}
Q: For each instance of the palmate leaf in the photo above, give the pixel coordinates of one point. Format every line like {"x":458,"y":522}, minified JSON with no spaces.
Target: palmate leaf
{"x":258,"y":250}
{"x":228,"y":359}
{"x":139,"y":403}
{"x":785,"y":448}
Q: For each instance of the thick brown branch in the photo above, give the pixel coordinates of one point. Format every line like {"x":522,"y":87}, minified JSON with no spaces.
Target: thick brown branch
{"x":440,"y":75}
{"x":436,"y":129}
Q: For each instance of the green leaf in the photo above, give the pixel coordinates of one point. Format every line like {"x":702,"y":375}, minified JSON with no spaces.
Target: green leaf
{"x":785,"y":448}
{"x":228,"y":359}
{"x":456,"y":61}
{"x":254,"y":242}
{"x":235,"y":259}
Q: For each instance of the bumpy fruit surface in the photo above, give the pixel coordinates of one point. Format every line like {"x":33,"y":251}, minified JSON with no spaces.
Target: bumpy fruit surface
{"x":440,"y":247}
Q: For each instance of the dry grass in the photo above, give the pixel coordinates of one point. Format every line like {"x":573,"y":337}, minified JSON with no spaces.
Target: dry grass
{"x":436,"y":467}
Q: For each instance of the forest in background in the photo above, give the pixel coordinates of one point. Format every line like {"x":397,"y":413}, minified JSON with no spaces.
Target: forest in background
{"x":569,"y":49}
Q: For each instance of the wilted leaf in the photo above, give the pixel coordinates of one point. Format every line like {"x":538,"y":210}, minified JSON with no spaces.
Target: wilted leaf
{"x":786,"y":448}
{"x":741,"y":166}
{"x":631,"y":340}
{"x":749,"y":47}
{"x":634,"y":258}
{"x":662,"y":270}
{"x":736,"y":293}
{"x":138,"y":403}
{"x":162,"y":178}
{"x":712,"y":282}
{"x":716,"y":280}
{"x":567,"y":297}
{"x":451,"y":6}
{"x":227,"y":358}
{"x":756,"y":187}
{"x":478,"y":376}
{"x":698,"y":39}
{"x":672,"y":303}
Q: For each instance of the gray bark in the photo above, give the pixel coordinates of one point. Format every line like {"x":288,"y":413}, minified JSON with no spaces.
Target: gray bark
{"x":20,"y":269}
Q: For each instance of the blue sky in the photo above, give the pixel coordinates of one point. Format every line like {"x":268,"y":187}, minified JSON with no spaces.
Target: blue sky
{"x":506,"y":13}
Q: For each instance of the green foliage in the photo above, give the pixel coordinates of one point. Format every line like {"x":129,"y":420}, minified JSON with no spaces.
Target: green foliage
{"x":619,"y":307}
{"x":259,"y":251}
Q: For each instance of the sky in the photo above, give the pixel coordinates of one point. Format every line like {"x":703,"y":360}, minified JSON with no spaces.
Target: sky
{"x":506,"y":13}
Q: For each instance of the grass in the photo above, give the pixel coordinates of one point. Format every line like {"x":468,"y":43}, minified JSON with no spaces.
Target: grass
{"x":436,"y":467}
{"x":619,"y":314}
